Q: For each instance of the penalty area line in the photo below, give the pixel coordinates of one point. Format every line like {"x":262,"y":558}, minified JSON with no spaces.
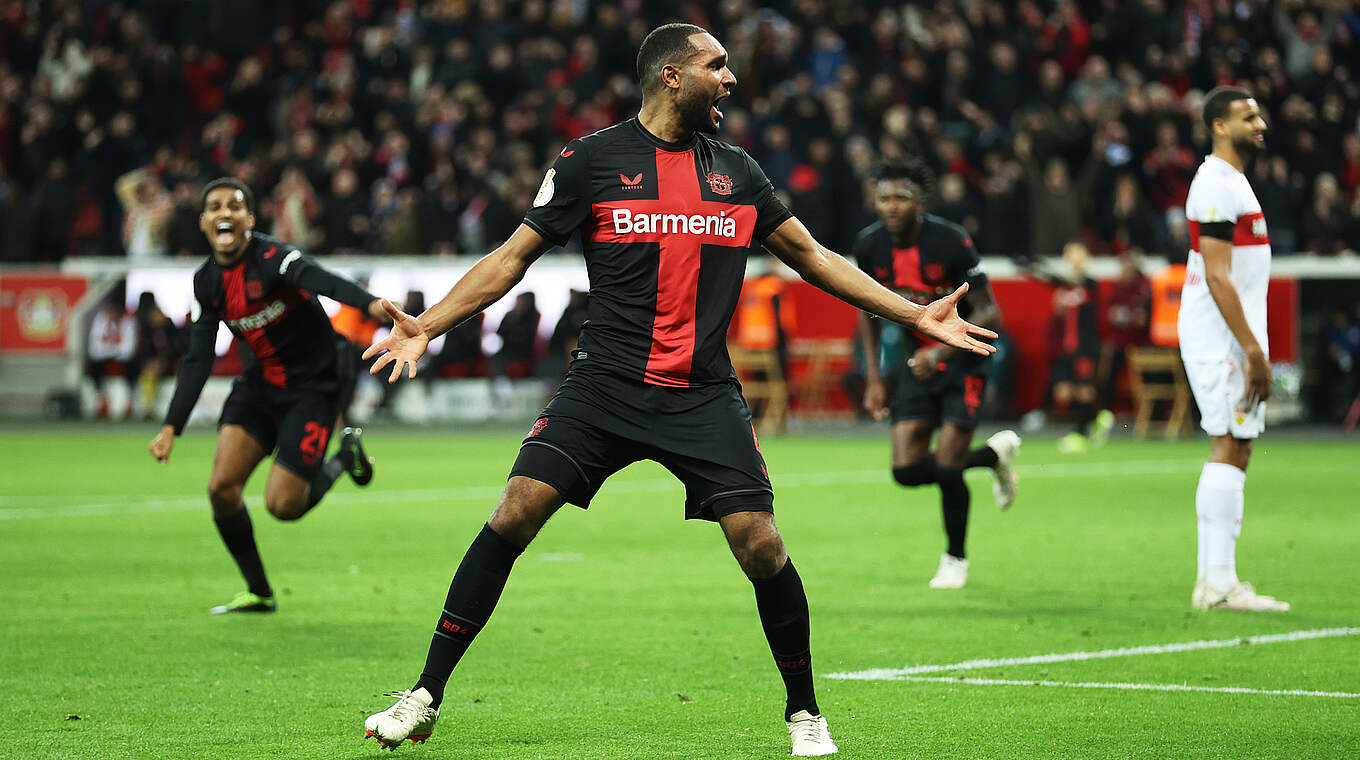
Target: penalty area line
{"x":893,"y":674}
{"x":1134,"y":686}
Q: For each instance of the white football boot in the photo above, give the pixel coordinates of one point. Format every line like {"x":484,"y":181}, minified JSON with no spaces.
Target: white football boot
{"x":410,"y":718}
{"x":1006,"y":444}
{"x":953,"y":572}
{"x":809,"y":735}
{"x":1239,"y":597}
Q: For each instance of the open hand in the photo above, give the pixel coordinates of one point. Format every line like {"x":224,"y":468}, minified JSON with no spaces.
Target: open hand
{"x":403,"y":346}
{"x":941,"y":321}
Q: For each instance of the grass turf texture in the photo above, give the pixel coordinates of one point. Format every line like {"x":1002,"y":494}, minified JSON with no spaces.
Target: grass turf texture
{"x":628,"y":633}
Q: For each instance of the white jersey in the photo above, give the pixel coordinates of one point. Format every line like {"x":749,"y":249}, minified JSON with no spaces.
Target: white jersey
{"x":1221,"y":199}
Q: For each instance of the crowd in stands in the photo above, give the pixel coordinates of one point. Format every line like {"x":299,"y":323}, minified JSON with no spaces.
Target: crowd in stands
{"x":401,"y":127}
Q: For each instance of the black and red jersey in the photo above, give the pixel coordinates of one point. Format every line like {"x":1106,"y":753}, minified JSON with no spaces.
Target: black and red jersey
{"x":266,"y":298}
{"x":666,"y":229}
{"x":939,"y":260}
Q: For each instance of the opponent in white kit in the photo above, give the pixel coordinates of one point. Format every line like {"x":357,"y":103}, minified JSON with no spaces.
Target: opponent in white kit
{"x":1223,"y":338}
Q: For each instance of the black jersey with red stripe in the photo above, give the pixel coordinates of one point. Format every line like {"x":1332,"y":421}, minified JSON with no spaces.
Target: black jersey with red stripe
{"x":665,"y":229}
{"x":267,"y":299}
{"x":940,"y":259}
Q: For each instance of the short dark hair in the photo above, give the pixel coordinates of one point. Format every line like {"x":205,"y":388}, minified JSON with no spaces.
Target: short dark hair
{"x":668,"y":43}
{"x":233,"y":183}
{"x":1218,"y":102}
{"x":911,"y":169}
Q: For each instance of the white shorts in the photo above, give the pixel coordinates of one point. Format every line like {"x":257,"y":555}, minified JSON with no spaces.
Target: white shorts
{"x":1220,"y":389}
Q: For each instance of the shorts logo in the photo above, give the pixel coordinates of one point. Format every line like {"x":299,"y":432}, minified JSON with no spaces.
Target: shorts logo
{"x":538,"y":426}
{"x":720,"y":184}
{"x":631,"y":183}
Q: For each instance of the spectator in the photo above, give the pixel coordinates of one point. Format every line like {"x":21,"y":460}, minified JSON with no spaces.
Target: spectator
{"x":147,"y":207}
{"x":1325,"y":221}
{"x":1282,"y":198}
{"x":1128,"y":313}
{"x":110,"y":362}
{"x":183,"y":237}
{"x":518,"y":332}
{"x":156,"y":354}
{"x":433,"y":95}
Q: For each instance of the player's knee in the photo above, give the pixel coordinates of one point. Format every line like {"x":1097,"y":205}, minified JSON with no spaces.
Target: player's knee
{"x":285,"y":506}
{"x":760,"y":553}
{"x":917,"y":474}
{"x":225,"y":496}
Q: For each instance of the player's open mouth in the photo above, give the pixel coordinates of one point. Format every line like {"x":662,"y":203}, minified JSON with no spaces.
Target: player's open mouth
{"x":225,"y":234}
{"x":714,"y":113}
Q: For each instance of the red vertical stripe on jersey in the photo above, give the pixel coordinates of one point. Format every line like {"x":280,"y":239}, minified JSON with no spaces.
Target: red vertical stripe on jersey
{"x":1194,"y":235}
{"x":233,"y":282}
{"x":677,"y":279}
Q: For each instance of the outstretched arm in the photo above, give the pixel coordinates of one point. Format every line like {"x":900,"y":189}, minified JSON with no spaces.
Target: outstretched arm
{"x":484,"y":284}
{"x":829,"y":271}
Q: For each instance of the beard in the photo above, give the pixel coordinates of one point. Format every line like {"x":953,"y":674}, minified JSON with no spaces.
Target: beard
{"x":694,"y":116}
{"x":1247,"y":146}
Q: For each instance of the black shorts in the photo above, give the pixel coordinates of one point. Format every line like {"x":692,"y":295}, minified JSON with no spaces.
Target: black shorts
{"x":295,"y":424}
{"x":1078,"y":367}
{"x":599,"y":422}
{"x":954,"y":396}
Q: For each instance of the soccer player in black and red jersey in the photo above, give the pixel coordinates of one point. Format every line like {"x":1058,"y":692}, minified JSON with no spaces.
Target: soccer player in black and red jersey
{"x":667,"y":215}
{"x":922,"y":257}
{"x":292,"y":391}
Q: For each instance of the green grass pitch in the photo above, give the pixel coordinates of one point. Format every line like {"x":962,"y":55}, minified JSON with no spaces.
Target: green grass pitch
{"x":628,"y":633}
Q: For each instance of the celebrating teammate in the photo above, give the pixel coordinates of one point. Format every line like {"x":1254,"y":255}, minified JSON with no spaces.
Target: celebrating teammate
{"x":667,"y":215}
{"x":288,"y":399}
{"x":922,"y":257}
{"x":1223,"y":339}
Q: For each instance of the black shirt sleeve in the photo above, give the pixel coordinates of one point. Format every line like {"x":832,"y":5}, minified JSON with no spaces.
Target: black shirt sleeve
{"x":862,"y":251}
{"x":563,"y":201}
{"x":302,"y":272}
{"x":196,"y":364}
{"x":969,"y":264}
{"x":770,"y":211}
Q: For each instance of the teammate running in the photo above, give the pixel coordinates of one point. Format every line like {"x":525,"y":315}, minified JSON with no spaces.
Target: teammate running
{"x":1222,"y":328}
{"x":667,"y":215}
{"x":922,"y":257}
{"x":289,"y":396}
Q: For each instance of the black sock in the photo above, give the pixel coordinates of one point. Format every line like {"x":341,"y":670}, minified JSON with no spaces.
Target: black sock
{"x":954,"y":500}
{"x":239,"y":536}
{"x":330,"y":471}
{"x":783,"y":611}
{"x":476,"y":588}
{"x":980,"y":457}
{"x":1085,"y":412}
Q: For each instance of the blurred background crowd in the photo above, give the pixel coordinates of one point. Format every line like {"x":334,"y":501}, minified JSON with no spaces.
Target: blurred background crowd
{"x":401,"y":127}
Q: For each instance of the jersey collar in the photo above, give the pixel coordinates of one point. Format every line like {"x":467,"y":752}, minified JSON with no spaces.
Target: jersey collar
{"x":662,"y":144}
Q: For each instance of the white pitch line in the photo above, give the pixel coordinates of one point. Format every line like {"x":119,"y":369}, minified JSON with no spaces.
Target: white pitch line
{"x":892,"y":674}
{"x":135,"y":505}
{"x":1135,"y":686}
